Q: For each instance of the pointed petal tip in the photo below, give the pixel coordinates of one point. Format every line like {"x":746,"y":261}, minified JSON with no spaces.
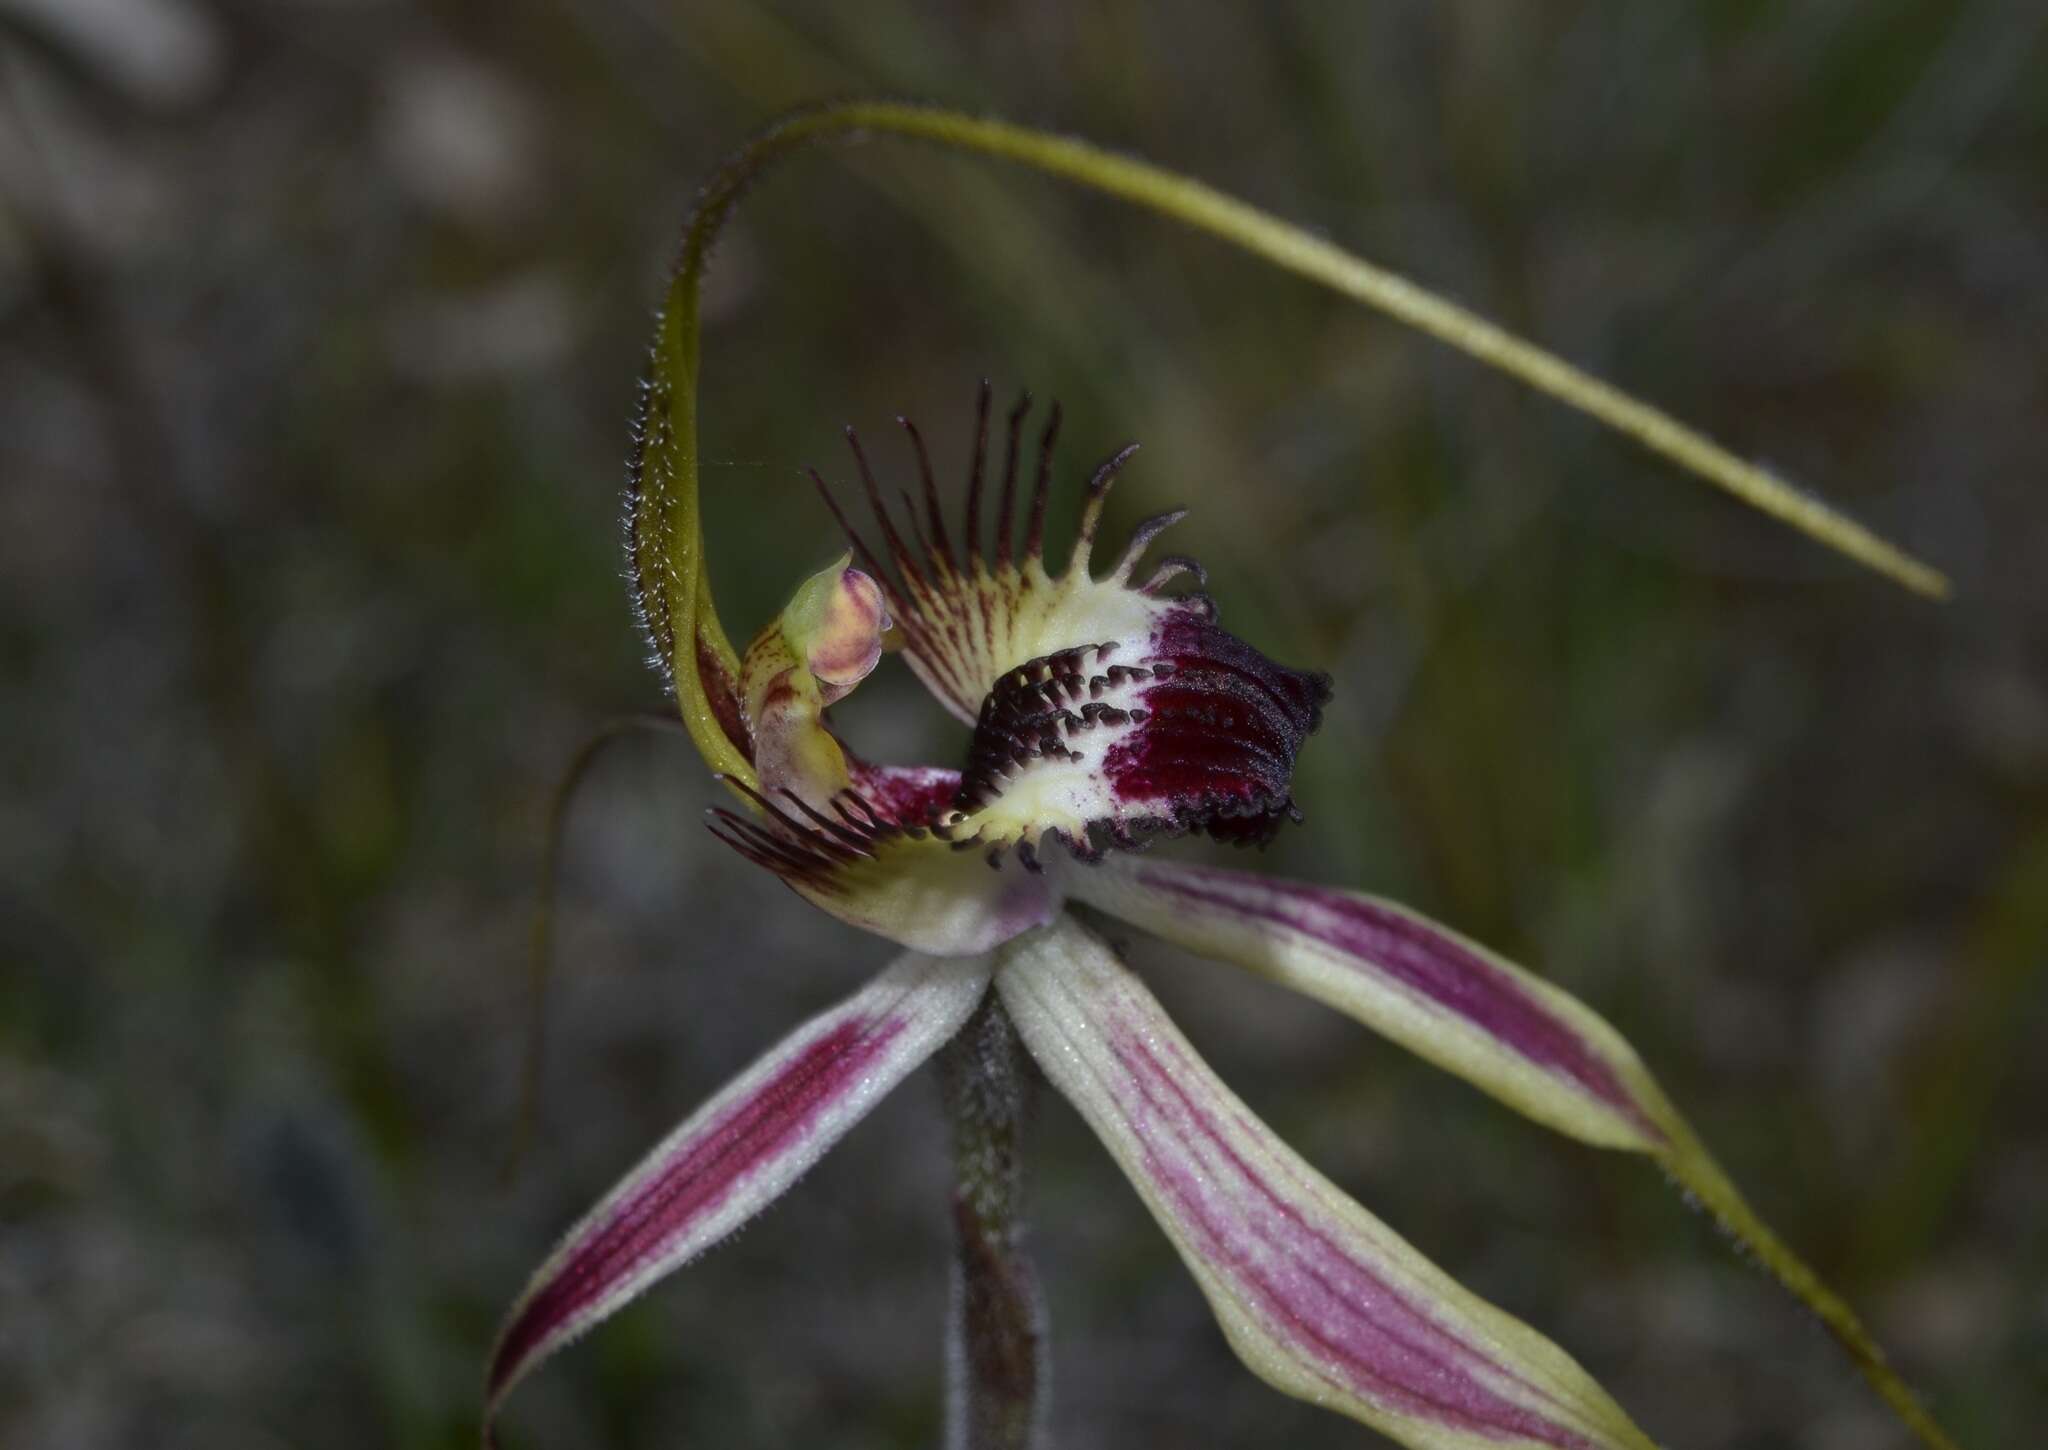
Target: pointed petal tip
{"x":735,"y":1156}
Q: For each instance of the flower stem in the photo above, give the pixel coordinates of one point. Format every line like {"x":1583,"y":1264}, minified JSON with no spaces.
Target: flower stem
{"x":995,"y":1378}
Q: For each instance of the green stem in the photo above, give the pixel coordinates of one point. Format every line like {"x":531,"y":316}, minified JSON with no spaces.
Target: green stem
{"x":995,"y":1335}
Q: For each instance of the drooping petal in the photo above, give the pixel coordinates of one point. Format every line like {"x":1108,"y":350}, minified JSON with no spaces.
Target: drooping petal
{"x":737,"y":1154}
{"x":1470,"y":1011}
{"x":1446,"y":998}
{"x":1318,"y":1297}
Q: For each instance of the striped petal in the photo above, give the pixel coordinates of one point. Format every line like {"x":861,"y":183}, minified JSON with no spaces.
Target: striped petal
{"x":1443,"y":997}
{"x":736,"y":1154}
{"x":1501,"y":1028}
{"x":1318,"y":1297}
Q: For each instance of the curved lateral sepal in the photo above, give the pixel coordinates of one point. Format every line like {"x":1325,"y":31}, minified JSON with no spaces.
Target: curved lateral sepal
{"x":1319,"y":1298}
{"x":1441,"y":996}
{"x":1473,"y":1013}
{"x":736,"y":1155}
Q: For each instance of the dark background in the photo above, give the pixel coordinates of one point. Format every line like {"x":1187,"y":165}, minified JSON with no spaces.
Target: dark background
{"x":319,"y":321}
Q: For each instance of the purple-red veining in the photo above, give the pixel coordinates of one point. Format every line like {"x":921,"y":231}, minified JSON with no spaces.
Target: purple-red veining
{"x":904,"y":795}
{"x":722,"y":691}
{"x":1348,"y":1321}
{"x":764,"y":1124}
{"x":1222,"y":725}
{"x":1429,"y":962}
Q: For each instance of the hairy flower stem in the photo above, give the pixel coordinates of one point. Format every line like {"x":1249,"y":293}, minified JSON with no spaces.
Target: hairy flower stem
{"x":995,"y":1387}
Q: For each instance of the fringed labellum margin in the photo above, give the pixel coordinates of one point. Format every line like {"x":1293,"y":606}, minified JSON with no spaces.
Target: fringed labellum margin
{"x":1105,"y":711}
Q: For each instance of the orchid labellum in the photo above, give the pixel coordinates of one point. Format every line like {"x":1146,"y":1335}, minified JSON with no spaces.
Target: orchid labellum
{"x":1107,"y":708}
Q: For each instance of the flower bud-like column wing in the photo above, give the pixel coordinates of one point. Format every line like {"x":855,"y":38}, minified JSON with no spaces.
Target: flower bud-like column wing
{"x":853,"y":838}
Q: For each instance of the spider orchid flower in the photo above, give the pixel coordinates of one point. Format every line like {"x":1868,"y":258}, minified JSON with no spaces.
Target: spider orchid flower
{"x":1109,"y":708}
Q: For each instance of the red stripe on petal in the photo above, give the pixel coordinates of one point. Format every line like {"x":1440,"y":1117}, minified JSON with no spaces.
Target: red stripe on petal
{"x":703,"y":1176}
{"x":1430,"y":963}
{"x":1357,"y":1327}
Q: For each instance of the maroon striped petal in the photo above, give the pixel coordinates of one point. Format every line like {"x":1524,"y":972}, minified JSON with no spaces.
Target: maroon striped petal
{"x":1318,"y":1297}
{"x":1440,"y":995}
{"x":1473,"y":1013}
{"x":736,"y":1154}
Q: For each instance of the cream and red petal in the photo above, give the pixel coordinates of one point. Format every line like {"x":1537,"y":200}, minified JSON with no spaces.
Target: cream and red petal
{"x":1470,"y":1011}
{"x":1318,"y":1297}
{"x":737,"y":1154}
{"x":1438,"y":994}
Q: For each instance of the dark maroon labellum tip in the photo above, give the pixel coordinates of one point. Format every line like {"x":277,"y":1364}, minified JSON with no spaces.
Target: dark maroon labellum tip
{"x":1219,"y":734}
{"x":1196,"y":731}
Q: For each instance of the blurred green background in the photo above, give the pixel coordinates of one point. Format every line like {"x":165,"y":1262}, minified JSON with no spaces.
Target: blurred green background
{"x":319,"y":323}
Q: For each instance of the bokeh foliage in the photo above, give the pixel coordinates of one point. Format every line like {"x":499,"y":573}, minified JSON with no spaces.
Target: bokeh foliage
{"x":320,"y":325}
